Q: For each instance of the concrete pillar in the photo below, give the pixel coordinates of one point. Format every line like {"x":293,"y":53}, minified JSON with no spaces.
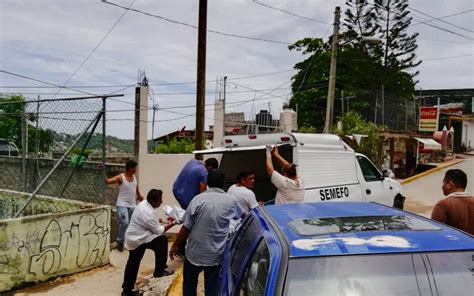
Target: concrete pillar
{"x":219,"y":115}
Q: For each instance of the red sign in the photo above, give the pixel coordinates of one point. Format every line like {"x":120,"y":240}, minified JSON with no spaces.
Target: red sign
{"x":428,"y":119}
{"x":428,"y":113}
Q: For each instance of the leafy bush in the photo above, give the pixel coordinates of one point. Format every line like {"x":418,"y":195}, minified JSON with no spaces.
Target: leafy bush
{"x":175,"y":147}
{"x":353,"y":123}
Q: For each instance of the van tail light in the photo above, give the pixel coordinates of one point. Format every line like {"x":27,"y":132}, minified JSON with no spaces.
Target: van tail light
{"x":285,"y":139}
{"x":252,"y":137}
{"x":228,"y":141}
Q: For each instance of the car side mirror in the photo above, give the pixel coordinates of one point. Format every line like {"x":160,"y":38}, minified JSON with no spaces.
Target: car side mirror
{"x":385,"y":174}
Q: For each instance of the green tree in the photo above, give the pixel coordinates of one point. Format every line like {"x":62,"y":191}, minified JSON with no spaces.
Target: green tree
{"x":311,"y":82}
{"x":399,"y":47}
{"x":11,"y":110}
{"x":11,"y":115}
{"x":175,"y":146}
{"x":362,"y":69}
{"x":353,"y":123}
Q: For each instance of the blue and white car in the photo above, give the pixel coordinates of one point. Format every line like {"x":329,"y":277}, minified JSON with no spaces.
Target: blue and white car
{"x":349,"y":249}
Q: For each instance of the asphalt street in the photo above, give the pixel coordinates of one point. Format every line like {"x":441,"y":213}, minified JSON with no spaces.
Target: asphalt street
{"x":424,"y":193}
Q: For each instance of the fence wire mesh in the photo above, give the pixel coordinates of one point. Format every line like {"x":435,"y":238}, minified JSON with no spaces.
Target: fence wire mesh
{"x":392,"y":111}
{"x":51,"y":148}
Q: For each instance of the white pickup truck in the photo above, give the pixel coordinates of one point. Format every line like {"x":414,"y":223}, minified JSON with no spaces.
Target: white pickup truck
{"x":330,"y":169}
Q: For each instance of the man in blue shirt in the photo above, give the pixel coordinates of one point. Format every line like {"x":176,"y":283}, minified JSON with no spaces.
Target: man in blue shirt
{"x":191,"y":181}
{"x":206,"y":223}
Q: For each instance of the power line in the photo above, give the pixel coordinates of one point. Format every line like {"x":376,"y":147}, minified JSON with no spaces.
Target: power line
{"x":195,"y":27}
{"x":425,"y":23}
{"x":290,"y":13}
{"x":44,"y":82}
{"x":427,"y":59}
{"x":450,"y":57}
{"x":96,"y":47}
{"x":151,"y":84}
{"x":445,"y":41}
{"x":157,"y":94}
{"x":440,"y":19}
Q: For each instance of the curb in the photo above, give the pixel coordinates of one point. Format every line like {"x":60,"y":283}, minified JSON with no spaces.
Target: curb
{"x":438,"y":168}
{"x":177,"y":284}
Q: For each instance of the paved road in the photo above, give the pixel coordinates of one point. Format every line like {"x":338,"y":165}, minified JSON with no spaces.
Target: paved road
{"x":424,"y":193}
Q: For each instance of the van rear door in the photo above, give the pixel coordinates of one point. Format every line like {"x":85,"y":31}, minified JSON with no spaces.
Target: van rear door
{"x":233,"y":160}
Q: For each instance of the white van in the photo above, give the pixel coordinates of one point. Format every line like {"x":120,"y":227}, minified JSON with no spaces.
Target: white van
{"x":330,"y":169}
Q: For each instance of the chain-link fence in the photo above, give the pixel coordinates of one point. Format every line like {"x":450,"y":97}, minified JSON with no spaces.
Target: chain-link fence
{"x":382,"y":108}
{"x":46,"y":147}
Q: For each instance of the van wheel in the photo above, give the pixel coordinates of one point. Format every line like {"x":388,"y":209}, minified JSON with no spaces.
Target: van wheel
{"x":399,"y":201}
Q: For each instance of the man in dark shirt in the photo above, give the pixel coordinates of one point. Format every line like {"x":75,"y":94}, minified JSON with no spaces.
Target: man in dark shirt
{"x":191,"y":181}
{"x":457,"y":209}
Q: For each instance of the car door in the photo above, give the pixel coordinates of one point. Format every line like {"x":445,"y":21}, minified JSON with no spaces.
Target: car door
{"x":238,"y":253}
{"x":372,"y":183}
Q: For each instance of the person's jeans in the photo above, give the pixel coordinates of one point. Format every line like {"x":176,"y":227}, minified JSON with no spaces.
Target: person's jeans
{"x":159,"y":246}
{"x":124,"y":214}
{"x":190,"y":279}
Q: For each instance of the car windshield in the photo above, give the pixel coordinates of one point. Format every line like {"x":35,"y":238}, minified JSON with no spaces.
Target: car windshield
{"x":446,"y":273}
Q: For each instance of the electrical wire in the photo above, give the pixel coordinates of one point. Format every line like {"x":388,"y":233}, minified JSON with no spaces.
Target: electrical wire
{"x":450,"y":57}
{"x":44,"y":82}
{"x":196,"y":27}
{"x":289,"y":12}
{"x":423,"y":22}
{"x":96,"y":47}
{"x":151,"y":84}
{"x":440,"y":19}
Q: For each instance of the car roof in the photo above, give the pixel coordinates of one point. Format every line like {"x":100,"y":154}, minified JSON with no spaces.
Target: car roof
{"x":307,"y":240}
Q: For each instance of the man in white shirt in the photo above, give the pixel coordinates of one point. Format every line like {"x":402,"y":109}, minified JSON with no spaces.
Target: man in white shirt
{"x":145,"y":232}
{"x":290,"y":188}
{"x":242,"y":190}
{"x":128,"y":196}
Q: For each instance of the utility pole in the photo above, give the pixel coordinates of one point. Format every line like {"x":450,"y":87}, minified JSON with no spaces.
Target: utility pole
{"x":383,"y":105}
{"x":201,"y":77}
{"x":332,"y":73}
{"x":342,"y":102}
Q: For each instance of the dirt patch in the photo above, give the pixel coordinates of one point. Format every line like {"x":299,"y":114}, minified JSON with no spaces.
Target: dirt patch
{"x":62,"y":280}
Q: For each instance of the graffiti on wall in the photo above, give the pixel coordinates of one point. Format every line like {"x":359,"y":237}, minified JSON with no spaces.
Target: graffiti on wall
{"x":64,"y":244}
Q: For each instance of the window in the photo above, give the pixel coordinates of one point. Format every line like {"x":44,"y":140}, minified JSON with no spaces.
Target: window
{"x":256,"y":274}
{"x":453,"y":272}
{"x":243,"y":245}
{"x":369,"y":171}
{"x":368,"y":275}
{"x":322,"y":226}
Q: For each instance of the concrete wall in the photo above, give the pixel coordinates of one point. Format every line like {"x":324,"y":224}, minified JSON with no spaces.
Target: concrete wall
{"x":468,"y":134}
{"x":36,"y":248}
{"x":156,"y":170}
{"x":159,"y":171}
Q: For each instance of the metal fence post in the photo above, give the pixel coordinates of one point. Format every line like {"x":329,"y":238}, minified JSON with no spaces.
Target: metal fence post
{"x":24,"y":135}
{"x":104,"y":158}
{"x":74,"y":168}
{"x":32,"y":195}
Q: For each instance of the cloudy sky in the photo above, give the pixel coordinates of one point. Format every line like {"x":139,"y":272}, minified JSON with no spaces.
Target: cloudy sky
{"x":49,"y":39}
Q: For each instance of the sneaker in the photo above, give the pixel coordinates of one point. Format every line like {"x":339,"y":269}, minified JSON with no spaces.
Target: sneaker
{"x":165,"y":273}
{"x":119,"y":247}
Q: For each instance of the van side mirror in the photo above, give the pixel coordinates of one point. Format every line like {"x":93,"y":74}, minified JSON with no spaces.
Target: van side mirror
{"x":386,"y":174}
